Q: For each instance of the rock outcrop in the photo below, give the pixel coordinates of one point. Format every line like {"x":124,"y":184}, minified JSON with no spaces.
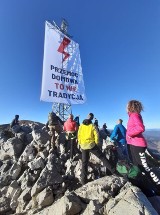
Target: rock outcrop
{"x":34,"y":179}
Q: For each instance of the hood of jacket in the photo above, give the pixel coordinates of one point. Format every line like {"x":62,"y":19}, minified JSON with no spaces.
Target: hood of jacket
{"x":87,"y":122}
{"x":70,"y":120}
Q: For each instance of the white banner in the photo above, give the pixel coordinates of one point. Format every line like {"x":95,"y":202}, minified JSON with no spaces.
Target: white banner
{"x":62,"y":79}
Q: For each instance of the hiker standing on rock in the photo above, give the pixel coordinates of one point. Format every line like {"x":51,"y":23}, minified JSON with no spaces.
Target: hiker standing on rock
{"x":119,"y":135}
{"x":88,"y":139}
{"x":96,"y":124}
{"x":137,"y":143}
{"x":103,"y":134}
{"x":76,"y":119}
{"x":54,"y":125}
{"x":71,"y":127}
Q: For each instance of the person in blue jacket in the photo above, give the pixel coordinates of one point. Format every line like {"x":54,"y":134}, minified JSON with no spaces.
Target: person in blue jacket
{"x":119,"y":136}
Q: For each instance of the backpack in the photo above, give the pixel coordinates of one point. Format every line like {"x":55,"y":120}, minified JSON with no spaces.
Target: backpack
{"x":70,"y":135}
{"x":52,"y":119}
{"x":111,"y":154}
{"x":127,"y":169}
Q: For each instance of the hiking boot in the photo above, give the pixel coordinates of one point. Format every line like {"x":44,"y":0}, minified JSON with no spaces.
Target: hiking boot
{"x":116,"y":173}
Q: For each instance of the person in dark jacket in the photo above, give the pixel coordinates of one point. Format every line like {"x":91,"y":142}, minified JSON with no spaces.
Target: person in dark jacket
{"x":15,"y":127}
{"x":76,"y":119}
{"x":103,"y":134}
{"x":96,"y":124}
{"x":54,"y":125}
{"x":119,"y":135}
{"x":15,"y":121}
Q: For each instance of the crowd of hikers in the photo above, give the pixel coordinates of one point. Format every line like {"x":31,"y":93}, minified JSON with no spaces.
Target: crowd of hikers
{"x":88,"y":137}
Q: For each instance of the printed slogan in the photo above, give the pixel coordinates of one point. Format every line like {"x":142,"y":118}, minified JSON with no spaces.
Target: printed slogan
{"x":63,"y":83}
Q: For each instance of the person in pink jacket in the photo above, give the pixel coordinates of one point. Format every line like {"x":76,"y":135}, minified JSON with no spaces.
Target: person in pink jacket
{"x":71,"y":127}
{"x":136,"y":142}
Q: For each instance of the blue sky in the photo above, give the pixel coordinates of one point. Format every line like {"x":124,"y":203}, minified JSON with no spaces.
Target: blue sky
{"x":120,"y":53}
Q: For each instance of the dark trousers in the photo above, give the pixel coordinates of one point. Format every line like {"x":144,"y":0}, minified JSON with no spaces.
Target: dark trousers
{"x":138,"y":158}
{"x":85,"y":158}
{"x":54,"y":140}
{"x":71,"y":145}
{"x":122,"y":150}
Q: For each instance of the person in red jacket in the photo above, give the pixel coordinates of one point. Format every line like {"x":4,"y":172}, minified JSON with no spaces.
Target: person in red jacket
{"x":71,"y":127}
{"x":137,"y":143}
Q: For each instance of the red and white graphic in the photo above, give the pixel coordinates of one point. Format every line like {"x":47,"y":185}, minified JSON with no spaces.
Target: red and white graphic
{"x":62,"y":47}
{"x":62,"y":78}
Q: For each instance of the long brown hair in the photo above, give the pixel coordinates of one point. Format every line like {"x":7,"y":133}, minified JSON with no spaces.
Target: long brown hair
{"x":134,"y":106}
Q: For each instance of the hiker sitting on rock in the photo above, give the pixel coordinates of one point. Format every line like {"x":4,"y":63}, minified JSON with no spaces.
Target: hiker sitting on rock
{"x":88,"y":139}
{"x":54,"y":125}
{"x":70,"y":127}
{"x":15,"y":127}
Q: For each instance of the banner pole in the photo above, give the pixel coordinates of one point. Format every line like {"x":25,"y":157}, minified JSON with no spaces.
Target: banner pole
{"x":61,"y":109}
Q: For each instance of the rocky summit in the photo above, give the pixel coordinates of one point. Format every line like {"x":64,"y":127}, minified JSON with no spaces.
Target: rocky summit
{"x":34,"y":179}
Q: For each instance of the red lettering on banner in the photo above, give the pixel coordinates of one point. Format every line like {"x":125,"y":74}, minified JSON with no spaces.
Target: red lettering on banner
{"x":56,"y":85}
{"x":61,"y":86}
{"x":71,"y":88}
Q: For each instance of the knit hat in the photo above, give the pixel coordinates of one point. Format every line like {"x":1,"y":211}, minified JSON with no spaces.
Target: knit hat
{"x":104,"y":125}
{"x":71,"y":116}
{"x":90,"y":116}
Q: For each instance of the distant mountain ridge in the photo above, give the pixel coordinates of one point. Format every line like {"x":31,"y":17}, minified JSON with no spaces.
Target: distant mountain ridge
{"x":153,"y":139}
{"x":152,"y":133}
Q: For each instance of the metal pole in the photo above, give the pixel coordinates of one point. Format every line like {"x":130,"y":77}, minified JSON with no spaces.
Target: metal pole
{"x":62,"y":110}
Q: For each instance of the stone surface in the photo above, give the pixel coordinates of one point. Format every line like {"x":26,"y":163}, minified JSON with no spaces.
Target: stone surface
{"x":131,"y":201}
{"x":35,"y":179}
{"x":45,"y":197}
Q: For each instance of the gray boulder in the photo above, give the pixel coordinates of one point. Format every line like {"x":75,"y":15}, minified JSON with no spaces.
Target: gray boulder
{"x":37,"y":163}
{"x":23,"y":200}
{"x":129,"y":201}
{"x":47,"y":178}
{"x":4,"y":205}
{"x":70,"y":204}
{"x":13,"y":147}
{"x":40,"y":136}
{"x":45,"y":198}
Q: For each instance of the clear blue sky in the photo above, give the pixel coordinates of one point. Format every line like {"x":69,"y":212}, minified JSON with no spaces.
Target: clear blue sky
{"x":120,"y":53}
